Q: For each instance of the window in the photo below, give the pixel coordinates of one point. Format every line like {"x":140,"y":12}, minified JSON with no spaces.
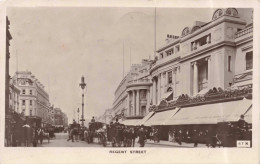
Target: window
{"x":143,"y":94}
{"x":23,"y":91}
{"x":229,"y":63}
{"x":169,"y":52}
{"x":30,"y":112}
{"x":249,"y":60}
{"x":169,"y":77}
{"x":30,"y":102}
{"x":30,"y":92}
{"x":201,"y":42}
{"x":161,"y":55}
{"x":239,"y":29}
{"x":177,"y":48}
{"x":23,"y":102}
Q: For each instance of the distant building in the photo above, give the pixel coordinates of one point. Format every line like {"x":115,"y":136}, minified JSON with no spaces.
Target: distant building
{"x":52,"y":115}
{"x":60,"y":118}
{"x":65,"y":119}
{"x":131,"y":96}
{"x":106,"y":117}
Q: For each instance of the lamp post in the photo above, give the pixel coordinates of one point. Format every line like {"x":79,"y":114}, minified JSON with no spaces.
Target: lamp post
{"x":82,"y":85}
{"x":78,"y":115}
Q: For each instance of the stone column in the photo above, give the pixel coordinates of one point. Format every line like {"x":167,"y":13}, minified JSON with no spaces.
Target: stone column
{"x":162,"y":85}
{"x":137,"y":103}
{"x":154,"y":92}
{"x":174,"y":72}
{"x":159,"y":88}
{"x":134,"y":102}
{"x":148,"y":98}
{"x":208,"y":59}
{"x":195,"y":79}
{"x":128,"y":103}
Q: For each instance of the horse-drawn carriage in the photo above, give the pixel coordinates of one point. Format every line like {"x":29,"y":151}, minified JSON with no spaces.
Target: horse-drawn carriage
{"x":96,"y":131}
{"x":115,"y":134}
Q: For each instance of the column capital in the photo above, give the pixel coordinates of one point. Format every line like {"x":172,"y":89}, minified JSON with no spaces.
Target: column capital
{"x":208,"y":58}
{"x":194,"y":63}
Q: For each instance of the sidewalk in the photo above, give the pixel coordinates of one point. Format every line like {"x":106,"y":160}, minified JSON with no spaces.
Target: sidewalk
{"x":168,"y":143}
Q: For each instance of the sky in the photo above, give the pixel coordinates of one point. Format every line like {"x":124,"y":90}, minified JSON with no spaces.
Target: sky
{"x":61,"y":44}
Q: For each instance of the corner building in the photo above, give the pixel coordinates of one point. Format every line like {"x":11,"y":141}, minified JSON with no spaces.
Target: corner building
{"x":33,"y":100}
{"x":132,"y":96}
{"x":211,"y":54}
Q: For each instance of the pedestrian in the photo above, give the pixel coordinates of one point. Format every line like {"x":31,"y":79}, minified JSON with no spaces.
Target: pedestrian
{"x":40,"y":134}
{"x":141,"y":135}
{"x":93,"y":119}
{"x":195,"y":137}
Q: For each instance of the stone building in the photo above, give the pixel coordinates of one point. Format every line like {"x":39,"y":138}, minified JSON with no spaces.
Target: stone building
{"x":131,"y":96}
{"x":34,"y":100}
{"x":106,"y":117}
{"x":210,"y":54}
{"x":208,"y":66}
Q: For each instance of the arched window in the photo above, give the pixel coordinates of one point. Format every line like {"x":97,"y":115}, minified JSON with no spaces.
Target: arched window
{"x":249,"y":60}
{"x":218,"y":13}
{"x":185,"y":31}
{"x":169,"y":89}
{"x":194,"y":28}
{"x":232,"y":12}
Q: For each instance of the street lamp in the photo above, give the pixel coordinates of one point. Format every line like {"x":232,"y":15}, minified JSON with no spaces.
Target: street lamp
{"x":82,"y":85}
{"x":78,"y":115}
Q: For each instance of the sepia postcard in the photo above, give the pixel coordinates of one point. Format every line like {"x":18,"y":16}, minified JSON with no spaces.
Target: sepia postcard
{"x":129,"y":82}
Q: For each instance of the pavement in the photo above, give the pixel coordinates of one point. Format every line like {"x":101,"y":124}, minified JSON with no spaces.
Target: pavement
{"x":61,"y":141}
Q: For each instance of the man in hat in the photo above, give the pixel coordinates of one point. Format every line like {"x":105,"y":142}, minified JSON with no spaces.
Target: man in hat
{"x":141,"y":135}
{"x":242,"y":126}
{"x":93,"y":119}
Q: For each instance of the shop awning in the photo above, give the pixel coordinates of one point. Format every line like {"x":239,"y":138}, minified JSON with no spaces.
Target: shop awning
{"x":166,"y":95}
{"x":242,"y":83}
{"x":142,"y":121}
{"x":248,"y":116}
{"x":210,"y":113}
{"x":160,"y":118}
{"x":131,"y":122}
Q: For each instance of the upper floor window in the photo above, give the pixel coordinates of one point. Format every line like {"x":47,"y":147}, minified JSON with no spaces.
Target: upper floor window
{"x":169,"y":52}
{"x":30,"y":92}
{"x":30,"y":112}
{"x":23,"y":102}
{"x":169,"y":77}
{"x":143,"y":94}
{"x":249,"y":60}
{"x":23,"y":91}
{"x":201,"y":42}
{"x":177,"y":48}
{"x":30,"y":102}
{"x":161,"y":55}
{"x":229,"y":63}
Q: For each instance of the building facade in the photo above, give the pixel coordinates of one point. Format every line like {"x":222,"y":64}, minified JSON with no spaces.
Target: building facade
{"x":60,"y":118}
{"x":132,"y":94}
{"x":208,"y":62}
{"x":14,"y":97}
{"x":106,"y":117}
{"x":34,"y":100}
{"x":210,"y":54}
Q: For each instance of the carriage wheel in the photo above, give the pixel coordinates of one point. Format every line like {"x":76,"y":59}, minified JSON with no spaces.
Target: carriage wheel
{"x":113,"y":142}
{"x":104,"y":142}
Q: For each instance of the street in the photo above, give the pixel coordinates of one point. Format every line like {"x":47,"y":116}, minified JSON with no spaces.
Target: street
{"x":61,"y":141}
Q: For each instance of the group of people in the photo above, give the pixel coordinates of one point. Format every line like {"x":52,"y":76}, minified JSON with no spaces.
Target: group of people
{"x":211,"y":136}
{"x":29,"y":136}
{"x":121,"y":135}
